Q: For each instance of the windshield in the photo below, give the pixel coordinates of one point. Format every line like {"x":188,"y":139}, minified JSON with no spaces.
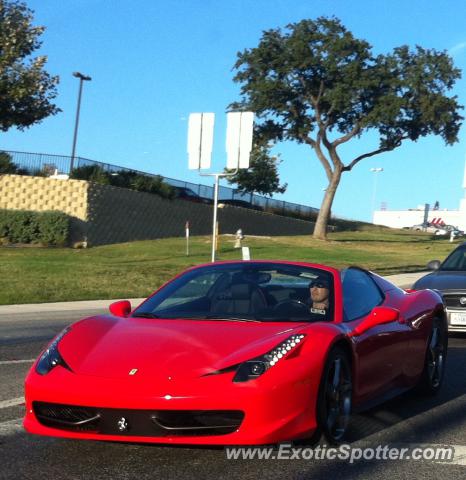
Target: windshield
{"x":245,"y":292}
{"x":455,"y":261}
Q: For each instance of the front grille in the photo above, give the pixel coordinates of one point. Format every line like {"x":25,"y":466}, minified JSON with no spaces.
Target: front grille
{"x":66,"y":416}
{"x":199,"y":421}
{"x":453,"y":300}
{"x":150,"y":423}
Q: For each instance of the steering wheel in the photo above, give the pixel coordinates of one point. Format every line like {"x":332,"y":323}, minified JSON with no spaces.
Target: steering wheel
{"x":290,"y":303}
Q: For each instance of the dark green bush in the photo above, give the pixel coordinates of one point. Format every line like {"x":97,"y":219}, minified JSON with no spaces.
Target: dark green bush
{"x":54,"y":228}
{"x":6,"y":164}
{"x":92,"y":173}
{"x":156,"y":185}
{"x":24,"y":226}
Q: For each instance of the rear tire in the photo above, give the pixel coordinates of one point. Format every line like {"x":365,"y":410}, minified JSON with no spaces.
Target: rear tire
{"x":435,"y":359}
{"x":335,"y":397}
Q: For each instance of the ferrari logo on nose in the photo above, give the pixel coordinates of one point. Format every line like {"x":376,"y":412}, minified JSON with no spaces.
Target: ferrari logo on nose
{"x":133,"y":371}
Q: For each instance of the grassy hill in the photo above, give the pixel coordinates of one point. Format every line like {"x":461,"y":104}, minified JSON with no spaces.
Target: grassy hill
{"x":29,"y":275}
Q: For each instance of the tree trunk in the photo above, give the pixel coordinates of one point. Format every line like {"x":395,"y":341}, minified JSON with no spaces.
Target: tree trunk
{"x":320,"y":230}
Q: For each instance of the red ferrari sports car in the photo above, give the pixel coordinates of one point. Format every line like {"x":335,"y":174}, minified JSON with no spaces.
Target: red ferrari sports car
{"x":251,"y":352}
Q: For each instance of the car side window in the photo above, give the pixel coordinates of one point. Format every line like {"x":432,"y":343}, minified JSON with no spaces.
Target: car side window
{"x":455,"y":261}
{"x":360,"y":293}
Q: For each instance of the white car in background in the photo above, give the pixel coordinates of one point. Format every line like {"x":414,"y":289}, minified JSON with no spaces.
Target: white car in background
{"x":435,"y":229}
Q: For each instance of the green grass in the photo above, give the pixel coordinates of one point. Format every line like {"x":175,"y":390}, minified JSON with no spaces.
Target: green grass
{"x":30,"y":275}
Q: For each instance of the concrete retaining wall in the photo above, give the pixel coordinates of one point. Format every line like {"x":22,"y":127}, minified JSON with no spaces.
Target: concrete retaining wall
{"x":103,"y":214}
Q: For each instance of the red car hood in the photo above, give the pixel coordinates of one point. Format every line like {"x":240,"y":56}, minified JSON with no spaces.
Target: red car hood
{"x":111,"y":347}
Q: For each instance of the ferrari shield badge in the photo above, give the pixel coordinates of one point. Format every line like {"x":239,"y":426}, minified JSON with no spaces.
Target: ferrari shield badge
{"x":133,"y":371}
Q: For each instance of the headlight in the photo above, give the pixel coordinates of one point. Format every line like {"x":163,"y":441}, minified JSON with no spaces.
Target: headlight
{"x":51,"y":357}
{"x":256,"y":367}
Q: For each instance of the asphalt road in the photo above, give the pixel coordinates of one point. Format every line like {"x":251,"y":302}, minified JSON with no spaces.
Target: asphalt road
{"x":408,"y":420}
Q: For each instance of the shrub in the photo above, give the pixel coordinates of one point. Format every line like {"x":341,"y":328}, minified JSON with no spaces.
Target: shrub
{"x":6,"y":164}
{"x":23,"y":226}
{"x":125,"y":179}
{"x":92,"y":173}
{"x":54,"y":228}
{"x":156,"y":185}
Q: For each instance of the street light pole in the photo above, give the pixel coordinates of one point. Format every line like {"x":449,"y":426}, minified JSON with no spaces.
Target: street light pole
{"x":376,"y":171}
{"x":82,"y":79}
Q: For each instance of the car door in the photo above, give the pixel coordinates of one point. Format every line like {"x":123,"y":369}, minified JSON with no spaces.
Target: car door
{"x":380,"y":350}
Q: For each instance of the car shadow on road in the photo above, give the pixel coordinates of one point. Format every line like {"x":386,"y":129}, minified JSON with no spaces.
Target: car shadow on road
{"x":411,"y":403}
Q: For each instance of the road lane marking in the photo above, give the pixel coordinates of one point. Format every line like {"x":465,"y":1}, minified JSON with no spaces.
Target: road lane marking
{"x":13,"y":402}
{"x":460,"y":455}
{"x":11,"y":362}
{"x":11,"y":427}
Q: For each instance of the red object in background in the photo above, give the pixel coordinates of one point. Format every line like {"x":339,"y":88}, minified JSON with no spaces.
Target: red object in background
{"x":437,"y":221}
{"x":235,"y":378}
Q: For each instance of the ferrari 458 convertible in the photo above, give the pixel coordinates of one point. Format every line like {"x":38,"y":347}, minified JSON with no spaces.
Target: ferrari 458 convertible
{"x":252,"y":352}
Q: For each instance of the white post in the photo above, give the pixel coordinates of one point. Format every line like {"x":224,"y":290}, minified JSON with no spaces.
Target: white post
{"x":374,"y":191}
{"x":214,"y":226}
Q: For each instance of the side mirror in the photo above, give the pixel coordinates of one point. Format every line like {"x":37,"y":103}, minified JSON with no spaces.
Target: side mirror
{"x":121,"y":308}
{"x":433,"y":265}
{"x":378,"y":316}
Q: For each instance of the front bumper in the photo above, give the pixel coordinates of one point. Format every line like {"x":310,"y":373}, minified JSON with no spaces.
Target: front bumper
{"x":279,"y":406}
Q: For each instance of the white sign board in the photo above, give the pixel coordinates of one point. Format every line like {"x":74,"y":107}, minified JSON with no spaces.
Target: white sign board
{"x":207,"y":139}
{"x":200,"y":140}
{"x":239,"y":139}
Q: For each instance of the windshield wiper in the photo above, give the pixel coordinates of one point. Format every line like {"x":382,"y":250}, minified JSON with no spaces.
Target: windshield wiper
{"x":196,"y":317}
{"x":285,"y":319}
{"x":145,"y":315}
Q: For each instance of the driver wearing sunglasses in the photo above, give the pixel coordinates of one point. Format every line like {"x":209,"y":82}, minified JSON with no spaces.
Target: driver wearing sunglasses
{"x":319,"y":293}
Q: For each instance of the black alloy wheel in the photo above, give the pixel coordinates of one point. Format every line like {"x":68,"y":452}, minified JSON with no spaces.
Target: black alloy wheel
{"x":435,"y":360}
{"x":335,"y":397}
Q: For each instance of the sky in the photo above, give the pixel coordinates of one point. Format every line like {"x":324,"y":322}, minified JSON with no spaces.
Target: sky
{"x":152,"y":62}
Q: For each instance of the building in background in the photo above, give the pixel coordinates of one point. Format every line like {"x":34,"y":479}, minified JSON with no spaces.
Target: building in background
{"x":415,"y":216}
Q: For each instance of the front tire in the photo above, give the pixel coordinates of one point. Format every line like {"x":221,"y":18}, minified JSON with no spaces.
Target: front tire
{"x":435,"y":359}
{"x":335,"y":397}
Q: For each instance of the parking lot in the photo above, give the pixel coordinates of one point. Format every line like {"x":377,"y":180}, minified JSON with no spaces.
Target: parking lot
{"x":405,"y":421}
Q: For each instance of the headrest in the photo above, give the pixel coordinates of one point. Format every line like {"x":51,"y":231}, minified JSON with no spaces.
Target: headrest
{"x":241,"y":291}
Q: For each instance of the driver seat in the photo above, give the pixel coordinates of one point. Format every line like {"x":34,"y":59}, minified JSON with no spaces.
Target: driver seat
{"x":240,"y":299}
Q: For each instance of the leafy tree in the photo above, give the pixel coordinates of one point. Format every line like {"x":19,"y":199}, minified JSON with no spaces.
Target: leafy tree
{"x":26,"y":89}
{"x":6,"y":164}
{"x":92,"y":173}
{"x":316,"y":84}
{"x":125,"y":179}
{"x":262,"y":176}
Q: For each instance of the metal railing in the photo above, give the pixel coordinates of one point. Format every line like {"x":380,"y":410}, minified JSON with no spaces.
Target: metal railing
{"x":46,"y":164}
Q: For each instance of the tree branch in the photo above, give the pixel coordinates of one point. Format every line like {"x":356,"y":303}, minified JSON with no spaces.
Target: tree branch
{"x":323,"y":160}
{"x":321,"y":91}
{"x":348,"y":136}
{"x":349,"y":167}
{"x":337,"y":163}
{"x":328,"y":114}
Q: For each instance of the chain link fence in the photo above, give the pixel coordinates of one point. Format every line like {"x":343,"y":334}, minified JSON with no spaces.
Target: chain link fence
{"x":46,"y":164}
